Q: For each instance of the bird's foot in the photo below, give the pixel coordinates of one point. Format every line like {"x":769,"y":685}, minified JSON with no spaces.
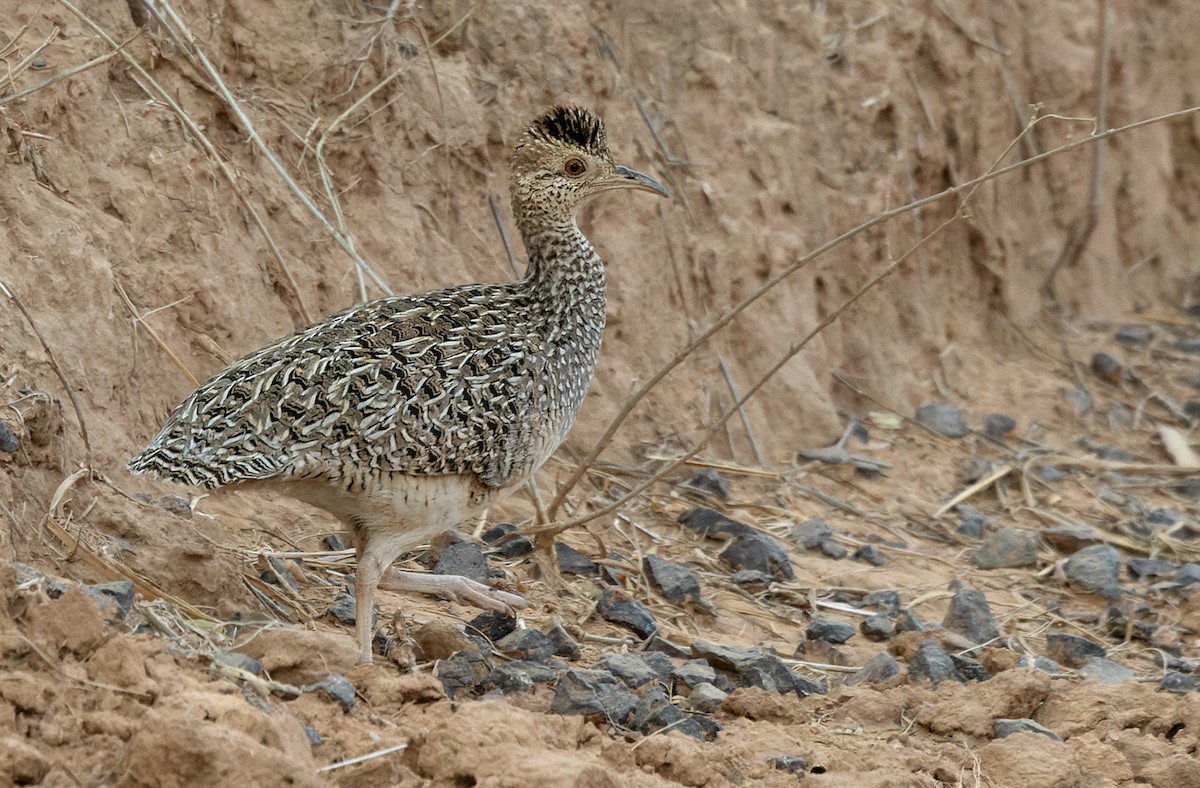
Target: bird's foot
{"x":456,"y":588}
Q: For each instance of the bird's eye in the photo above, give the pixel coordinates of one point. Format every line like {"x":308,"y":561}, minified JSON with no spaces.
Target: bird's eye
{"x":574,"y":167}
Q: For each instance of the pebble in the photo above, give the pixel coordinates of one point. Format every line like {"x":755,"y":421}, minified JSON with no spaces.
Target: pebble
{"x":1005,"y":728}
{"x":586,"y":692}
{"x":751,"y":577}
{"x":8,"y":441}
{"x":335,"y":542}
{"x":1106,"y":367}
{"x":694,"y":672}
{"x":314,"y":738}
{"x":464,"y":559}
{"x":906,"y":621}
{"x":119,"y":592}
{"x":1178,"y":683}
{"x":829,"y":630}
{"x":1007,"y":548}
{"x":1050,"y":474}
{"x":1106,"y":671}
{"x":464,"y":671}
{"x":565,"y":645}
{"x":343,"y":609}
{"x":618,"y":608}
{"x":1082,"y":399}
{"x":834,"y":549}
{"x":709,"y":523}
{"x":573,"y":562}
{"x":278,"y":574}
{"x":1132,"y":336}
{"x":1106,"y":452}
{"x":1071,"y":650}
{"x":971,"y":521}
{"x":520,"y":676}
{"x":337,"y":687}
{"x":493,"y":625}
{"x":659,"y":644}
{"x":943,"y":419}
{"x":931,"y":663}
{"x":755,"y":667}
{"x":870,"y":554}
{"x":233,"y":659}
{"x":759,"y":553}
{"x":876,"y":670}
{"x":998,"y":425}
{"x":505,"y":540}
{"x":527,"y":644}
{"x":675,"y":582}
{"x":1095,"y":569}
{"x":1069,"y":538}
{"x":792,"y":764}
{"x":710,"y":481}
{"x":970,"y":616}
{"x":886,"y":600}
{"x":654,"y":711}
{"x":705,"y":698}
{"x":969,"y":668}
{"x":699,"y":727}
{"x":809,"y":534}
{"x":1189,"y":346}
{"x":1043,"y":664}
{"x":637,"y":669}
{"x":1187,"y":575}
{"x":878,"y":627}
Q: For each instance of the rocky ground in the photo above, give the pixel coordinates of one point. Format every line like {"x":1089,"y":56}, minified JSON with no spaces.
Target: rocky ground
{"x":955,"y":541}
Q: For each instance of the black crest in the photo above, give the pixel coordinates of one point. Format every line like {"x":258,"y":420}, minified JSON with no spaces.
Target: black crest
{"x":572,"y":126}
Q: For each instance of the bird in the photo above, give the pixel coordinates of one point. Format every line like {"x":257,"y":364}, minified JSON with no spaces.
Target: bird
{"x":410,"y":415}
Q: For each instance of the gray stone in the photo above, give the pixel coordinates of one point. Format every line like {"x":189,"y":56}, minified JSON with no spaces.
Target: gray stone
{"x":887,"y":601}
{"x":1005,"y":728}
{"x":636,"y":669}
{"x":565,"y":645}
{"x":931,"y":663}
{"x":1050,"y":474}
{"x":792,"y":764}
{"x":1132,"y":336}
{"x":829,"y":630}
{"x":969,"y":668}
{"x":1106,"y":367}
{"x":1178,"y":683}
{"x":233,"y":659}
{"x":120,"y":592}
{"x":878,"y":627}
{"x":870,"y":554}
{"x":1189,"y":346}
{"x":675,"y":582}
{"x":970,"y":616}
{"x":9,"y":444}
{"x":809,"y":534}
{"x":998,"y":425}
{"x":876,"y":670}
{"x":654,"y":711}
{"x":463,"y":559}
{"x":698,"y":727}
{"x":751,"y":577}
{"x":906,"y":621}
{"x":711,"y":523}
{"x":587,"y":692}
{"x":943,"y":419}
{"x":526,"y":644}
{"x":709,"y":481}
{"x":520,"y":676}
{"x":463,"y":671}
{"x":573,"y":562}
{"x":705,"y":698}
{"x":971,"y":522}
{"x":314,"y":738}
{"x":1150,"y":567}
{"x":492,"y":625}
{"x":335,"y":542}
{"x":343,"y":609}
{"x":337,"y":687}
{"x":1071,"y":650}
{"x":753,"y":667}
{"x":505,"y":540}
{"x":1106,"y":671}
{"x":759,"y":553}
{"x":1040,"y":663}
{"x":834,"y":549}
{"x":694,"y":672}
{"x":617,"y":608}
{"x":1007,"y":548}
{"x":1187,"y":575}
{"x":1095,"y":569}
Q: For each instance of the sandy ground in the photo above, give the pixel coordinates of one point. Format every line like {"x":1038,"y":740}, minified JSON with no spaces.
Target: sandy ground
{"x":136,"y":239}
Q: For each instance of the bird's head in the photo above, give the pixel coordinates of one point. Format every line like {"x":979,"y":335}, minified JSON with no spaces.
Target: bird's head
{"x":560,"y":161}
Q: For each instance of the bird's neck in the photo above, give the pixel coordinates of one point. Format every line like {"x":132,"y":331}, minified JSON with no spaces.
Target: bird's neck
{"x":565,"y":274}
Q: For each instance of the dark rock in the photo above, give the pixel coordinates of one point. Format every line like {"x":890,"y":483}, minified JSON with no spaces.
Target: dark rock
{"x":613,"y":570}
{"x":706,"y":698}
{"x":806,"y":686}
{"x":464,"y":559}
{"x":492,"y":625}
{"x":1082,"y":399}
{"x":870,"y":554}
{"x":1069,"y":538}
{"x":635,"y":669}
{"x":335,"y":542}
{"x":1106,"y":367}
{"x":751,"y":577}
{"x":565,"y":645}
{"x":974,"y":470}
{"x":1071,"y":650}
{"x":1095,"y":569}
{"x":464,"y":671}
{"x":337,"y":687}
{"x":754,"y":667}
{"x":1178,"y":683}
{"x":1187,"y":575}
{"x":343,"y":609}
{"x":675,"y":582}
{"x":760,"y":553}
{"x":505,"y":540}
{"x":906,"y":621}
{"x":887,"y":601}
{"x":119,"y":591}
{"x":709,"y":481}
{"x":587,"y":692}
{"x":616,"y":607}
{"x":931,"y":664}
{"x":520,"y":676}
{"x":527,"y":644}
{"x":1132,"y":336}
{"x":277,"y":574}
{"x":694,"y":672}
{"x":9,"y":444}
{"x":998,"y":425}
{"x":1189,"y":346}
{"x":233,"y":659}
{"x":829,"y":630}
{"x":834,"y":549}
{"x":943,"y":419}
{"x":1106,"y":671}
{"x":660,"y":645}
{"x":1119,"y":625}
{"x":971,"y":521}
{"x":1050,"y":474}
{"x":654,"y":711}
{"x":1150,"y":567}
{"x":1007,"y":548}
{"x":1040,"y":663}
{"x":969,"y":668}
{"x":1005,"y":728}
{"x":809,"y":534}
{"x":878,"y":627}
{"x":698,"y":727}
{"x":314,"y":738}
{"x":573,"y":562}
{"x":711,"y":523}
{"x":1106,"y":452}
{"x":876,"y":670}
{"x":792,"y":764}
{"x":970,"y":616}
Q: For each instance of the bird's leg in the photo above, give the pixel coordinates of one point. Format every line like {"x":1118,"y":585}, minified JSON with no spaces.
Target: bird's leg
{"x":459,"y":589}
{"x":367,"y":577}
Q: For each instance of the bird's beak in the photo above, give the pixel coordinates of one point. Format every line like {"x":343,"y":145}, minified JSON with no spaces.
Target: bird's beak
{"x":625,"y":178}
